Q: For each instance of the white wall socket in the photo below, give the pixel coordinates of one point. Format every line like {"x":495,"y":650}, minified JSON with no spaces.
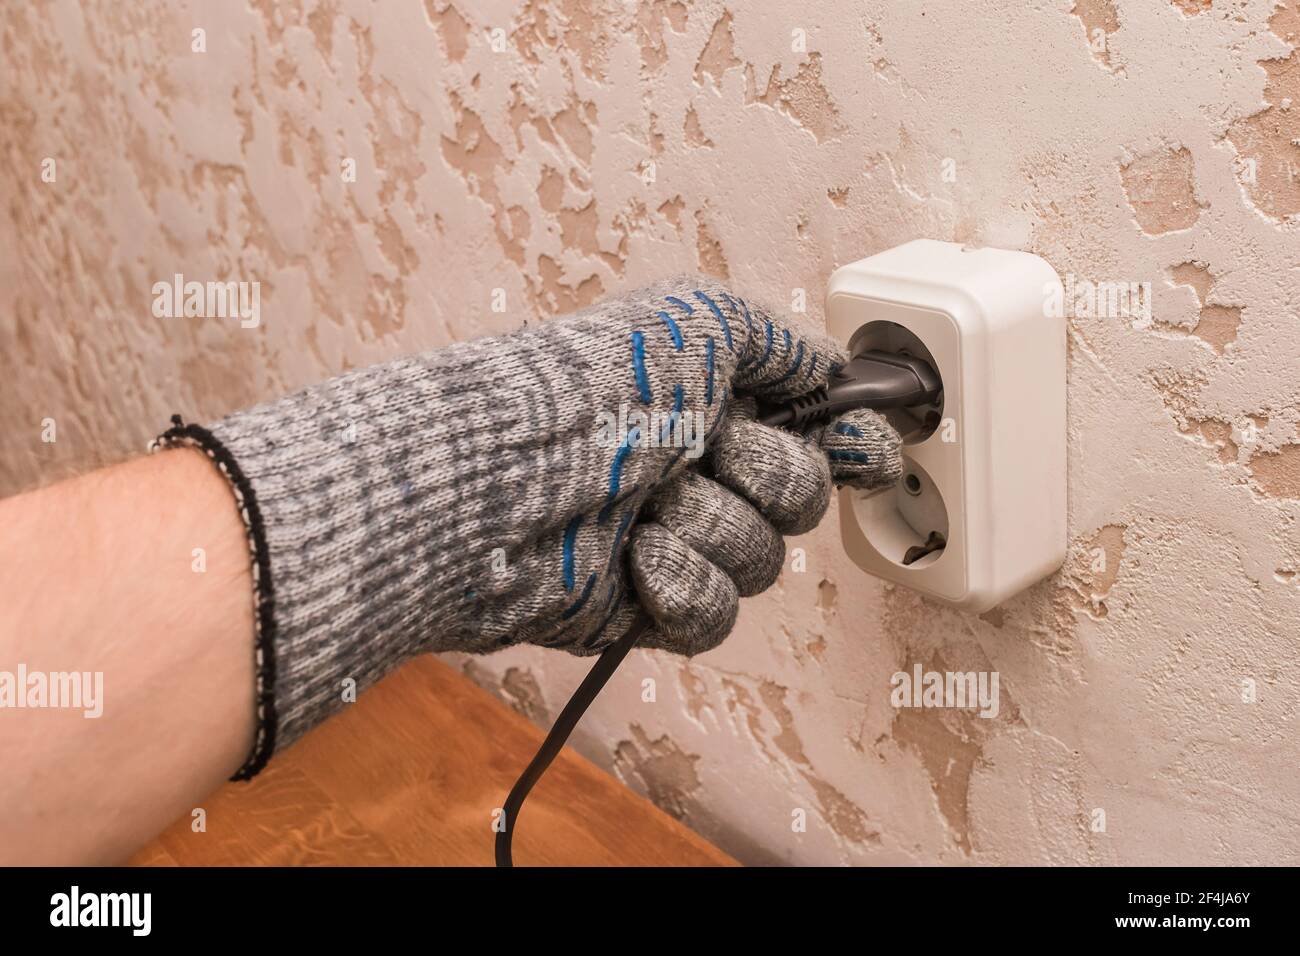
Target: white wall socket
{"x":984,"y":469}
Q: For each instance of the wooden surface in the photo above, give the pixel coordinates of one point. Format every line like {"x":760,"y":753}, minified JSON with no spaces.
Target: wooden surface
{"x":410,"y":775}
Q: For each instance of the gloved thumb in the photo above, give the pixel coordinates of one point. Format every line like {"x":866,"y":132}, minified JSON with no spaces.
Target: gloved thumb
{"x":864,"y":450}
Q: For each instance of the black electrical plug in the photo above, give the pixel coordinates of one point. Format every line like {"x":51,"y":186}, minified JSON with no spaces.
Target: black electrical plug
{"x":874,"y":379}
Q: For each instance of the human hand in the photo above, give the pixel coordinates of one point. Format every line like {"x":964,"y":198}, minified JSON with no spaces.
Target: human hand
{"x":539,"y":487}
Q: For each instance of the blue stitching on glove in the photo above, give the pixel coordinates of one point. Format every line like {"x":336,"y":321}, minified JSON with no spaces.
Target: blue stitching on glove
{"x":638,"y":367}
{"x":844,"y":428}
{"x":708,"y":354}
{"x":767,"y":350}
{"x":798,"y":360}
{"x":857,"y":457}
{"x":673,"y":330}
{"x":576,"y":606}
{"x":673,"y":416}
{"x":570,"y":537}
{"x":613,"y":503}
{"x":676,"y":301}
{"x":619,"y":457}
{"x":717,"y":313}
{"x":616,"y":469}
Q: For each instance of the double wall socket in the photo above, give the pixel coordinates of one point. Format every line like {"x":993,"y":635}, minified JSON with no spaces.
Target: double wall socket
{"x":980,"y":511}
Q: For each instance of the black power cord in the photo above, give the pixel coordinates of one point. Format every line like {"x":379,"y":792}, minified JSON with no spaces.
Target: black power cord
{"x":587,"y":691}
{"x":874,"y":379}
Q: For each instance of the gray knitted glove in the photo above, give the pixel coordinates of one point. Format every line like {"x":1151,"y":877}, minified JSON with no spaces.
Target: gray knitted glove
{"x":537,"y":487}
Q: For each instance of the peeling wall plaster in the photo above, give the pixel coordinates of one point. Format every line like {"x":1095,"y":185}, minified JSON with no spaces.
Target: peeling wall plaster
{"x":560,"y":151}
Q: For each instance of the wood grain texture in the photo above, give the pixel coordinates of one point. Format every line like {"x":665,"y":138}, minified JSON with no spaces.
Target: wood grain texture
{"x":409,"y":776}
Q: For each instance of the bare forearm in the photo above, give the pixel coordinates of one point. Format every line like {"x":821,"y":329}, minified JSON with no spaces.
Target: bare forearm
{"x":139,"y":573}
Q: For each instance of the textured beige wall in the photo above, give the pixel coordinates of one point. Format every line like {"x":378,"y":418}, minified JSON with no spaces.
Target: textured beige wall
{"x":585,"y":147}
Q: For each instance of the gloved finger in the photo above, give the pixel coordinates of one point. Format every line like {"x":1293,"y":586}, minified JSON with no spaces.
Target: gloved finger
{"x":693,"y":601}
{"x":723,"y":527}
{"x":784,"y":475}
{"x":863,"y":449}
{"x":781,"y":358}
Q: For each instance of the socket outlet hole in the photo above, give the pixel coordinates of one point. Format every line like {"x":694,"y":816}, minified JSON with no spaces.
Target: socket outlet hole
{"x":908,"y":523}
